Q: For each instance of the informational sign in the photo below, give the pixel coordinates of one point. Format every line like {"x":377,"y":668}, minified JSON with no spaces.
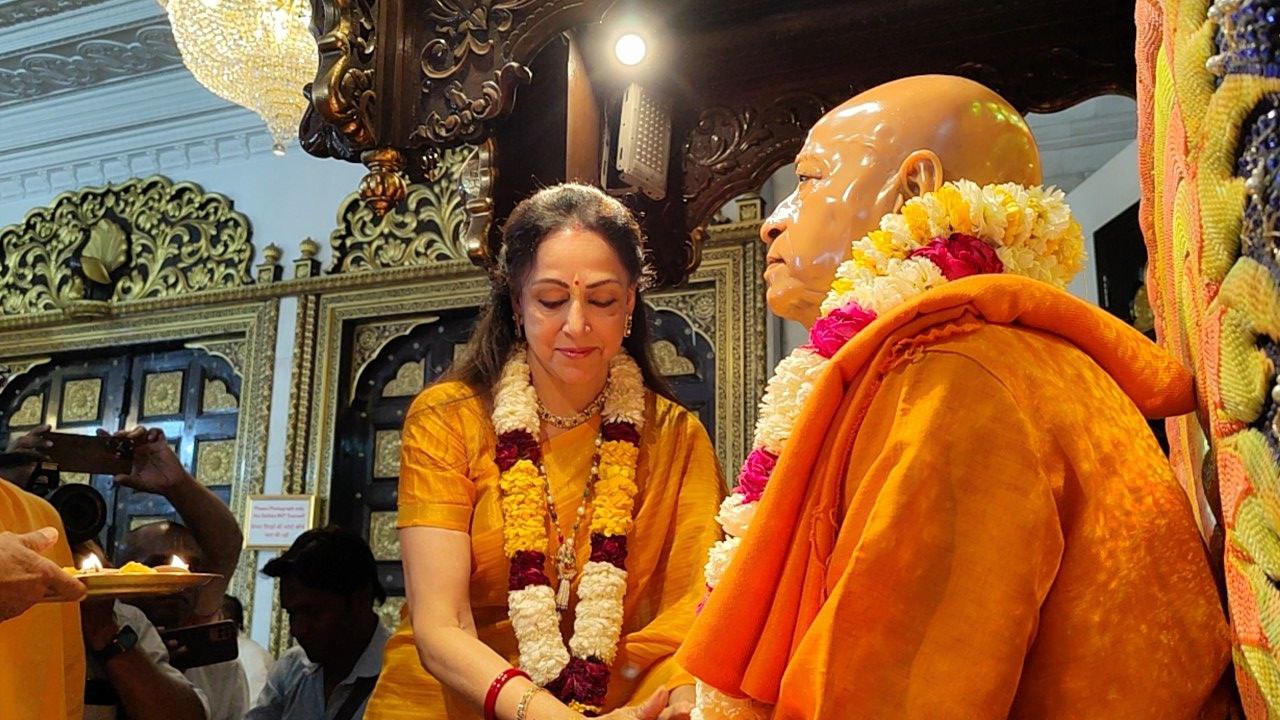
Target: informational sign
{"x":275,"y":521}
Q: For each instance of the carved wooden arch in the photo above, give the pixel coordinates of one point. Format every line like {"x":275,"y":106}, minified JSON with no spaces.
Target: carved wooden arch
{"x":730,"y":150}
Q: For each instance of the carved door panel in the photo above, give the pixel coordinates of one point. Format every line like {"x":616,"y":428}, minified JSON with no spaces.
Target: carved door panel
{"x":194,"y":398}
{"x":71,"y":394}
{"x":189,"y":394}
{"x":391,"y":362}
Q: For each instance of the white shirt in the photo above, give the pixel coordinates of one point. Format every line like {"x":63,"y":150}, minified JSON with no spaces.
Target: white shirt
{"x":150,"y":644}
{"x":225,"y":686}
{"x":295,"y":685}
{"x":257,"y":663}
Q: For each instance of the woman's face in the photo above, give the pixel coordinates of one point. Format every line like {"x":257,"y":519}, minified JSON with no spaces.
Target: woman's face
{"x":574,"y":303}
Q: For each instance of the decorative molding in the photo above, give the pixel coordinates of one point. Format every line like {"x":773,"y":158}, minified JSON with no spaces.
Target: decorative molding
{"x":342,"y":96}
{"x":730,"y":151}
{"x":372,"y":337}
{"x":18,"y":12}
{"x":298,"y":434}
{"x":429,"y":228}
{"x":216,"y":397}
{"x":408,"y":381}
{"x":232,"y":350}
{"x":124,"y":53}
{"x":80,"y":400}
{"x":162,"y":393}
{"x":151,"y":237}
{"x":11,"y":370}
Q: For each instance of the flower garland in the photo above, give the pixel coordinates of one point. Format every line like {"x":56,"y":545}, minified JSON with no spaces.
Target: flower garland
{"x":581,"y":679}
{"x":958,"y":230}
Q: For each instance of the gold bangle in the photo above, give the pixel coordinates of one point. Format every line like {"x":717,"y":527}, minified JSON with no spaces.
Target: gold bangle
{"x":523,"y":708}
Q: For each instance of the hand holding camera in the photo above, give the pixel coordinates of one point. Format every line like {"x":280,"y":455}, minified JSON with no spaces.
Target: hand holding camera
{"x":154,"y":467}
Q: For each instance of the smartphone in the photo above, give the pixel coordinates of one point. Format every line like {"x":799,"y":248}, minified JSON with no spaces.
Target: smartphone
{"x":201,"y":645}
{"x":99,"y":454}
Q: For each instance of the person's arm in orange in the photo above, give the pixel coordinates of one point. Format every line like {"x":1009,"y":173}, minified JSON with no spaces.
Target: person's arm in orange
{"x":949,"y":545}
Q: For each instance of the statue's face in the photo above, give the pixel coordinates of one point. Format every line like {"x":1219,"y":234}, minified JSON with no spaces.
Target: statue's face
{"x":845,"y":186}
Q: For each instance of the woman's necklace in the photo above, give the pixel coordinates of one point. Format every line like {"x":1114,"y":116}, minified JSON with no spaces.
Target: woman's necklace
{"x":566,"y":555}
{"x":567,"y":422}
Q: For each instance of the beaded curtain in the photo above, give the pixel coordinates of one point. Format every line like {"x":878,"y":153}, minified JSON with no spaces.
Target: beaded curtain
{"x":1209,"y":145}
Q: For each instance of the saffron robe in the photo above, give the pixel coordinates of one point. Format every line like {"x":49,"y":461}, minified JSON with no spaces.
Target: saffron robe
{"x":973,"y":520}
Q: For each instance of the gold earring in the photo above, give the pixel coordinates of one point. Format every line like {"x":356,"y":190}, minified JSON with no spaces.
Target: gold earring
{"x":627,"y":331}
{"x":519,"y":326}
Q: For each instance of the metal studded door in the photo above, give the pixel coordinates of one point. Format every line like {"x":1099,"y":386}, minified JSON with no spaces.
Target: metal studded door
{"x":390,"y":363}
{"x":188,"y":393}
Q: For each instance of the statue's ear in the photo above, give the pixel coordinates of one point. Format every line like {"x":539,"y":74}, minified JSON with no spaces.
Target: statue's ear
{"x":920,"y":173}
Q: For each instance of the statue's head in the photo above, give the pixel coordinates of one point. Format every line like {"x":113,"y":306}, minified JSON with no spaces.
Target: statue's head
{"x":865,"y":158}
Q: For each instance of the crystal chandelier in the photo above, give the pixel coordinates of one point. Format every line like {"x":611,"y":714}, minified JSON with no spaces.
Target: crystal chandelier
{"x":255,"y":53}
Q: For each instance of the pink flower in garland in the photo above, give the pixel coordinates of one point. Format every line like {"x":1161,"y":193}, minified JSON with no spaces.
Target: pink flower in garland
{"x":959,"y":255}
{"x":755,"y":474}
{"x":831,"y":333}
{"x":516,"y":445}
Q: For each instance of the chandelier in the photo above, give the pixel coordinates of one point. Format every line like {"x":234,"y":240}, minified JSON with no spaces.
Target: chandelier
{"x":255,"y":53}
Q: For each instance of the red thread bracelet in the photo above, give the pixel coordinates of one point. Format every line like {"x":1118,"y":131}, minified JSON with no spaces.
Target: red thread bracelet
{"x":491,"y":699}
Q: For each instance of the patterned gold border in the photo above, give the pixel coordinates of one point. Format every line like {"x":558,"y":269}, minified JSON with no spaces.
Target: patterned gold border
{"x":255,"y":324}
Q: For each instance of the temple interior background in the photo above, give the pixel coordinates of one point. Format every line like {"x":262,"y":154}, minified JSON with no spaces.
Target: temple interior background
{"x":276,"y":328}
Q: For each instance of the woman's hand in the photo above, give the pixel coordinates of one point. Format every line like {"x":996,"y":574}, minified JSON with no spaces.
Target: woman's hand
{"x":650,"y":709}
{"x":679,"y":703}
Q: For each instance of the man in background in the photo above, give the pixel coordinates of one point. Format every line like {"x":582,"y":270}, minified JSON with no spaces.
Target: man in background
{"x":328,"y":585}
{"x":208,"y":539}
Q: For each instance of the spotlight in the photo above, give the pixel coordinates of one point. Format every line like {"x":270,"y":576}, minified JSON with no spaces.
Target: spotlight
{"x":630,"y":49}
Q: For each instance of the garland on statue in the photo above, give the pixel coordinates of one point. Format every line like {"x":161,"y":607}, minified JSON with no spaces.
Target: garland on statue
{"x":960,"y":229}
{"x":578,"y":675}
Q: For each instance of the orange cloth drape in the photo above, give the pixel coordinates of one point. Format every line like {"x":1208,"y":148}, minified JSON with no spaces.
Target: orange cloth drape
{"x":980,"y":525}
{"x":449,"y":480}
{"x":41,"y":650}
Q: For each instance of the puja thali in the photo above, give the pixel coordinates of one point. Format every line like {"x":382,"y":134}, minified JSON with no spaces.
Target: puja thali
{"x":135,"y":580}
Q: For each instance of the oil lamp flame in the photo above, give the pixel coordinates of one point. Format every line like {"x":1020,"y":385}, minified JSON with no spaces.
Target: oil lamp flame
{"x":178,"y":562}
{"x":91,"y":563}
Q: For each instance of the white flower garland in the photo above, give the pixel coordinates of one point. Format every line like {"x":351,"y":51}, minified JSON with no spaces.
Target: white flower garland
{"x":535,"y":620}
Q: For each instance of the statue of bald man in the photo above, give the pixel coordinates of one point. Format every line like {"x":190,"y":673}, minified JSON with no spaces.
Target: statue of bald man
{"x":954,"y":507}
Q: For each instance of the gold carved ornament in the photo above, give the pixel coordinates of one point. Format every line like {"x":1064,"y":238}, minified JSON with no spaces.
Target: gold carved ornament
{"x":427,"y":229}
{"x":140,"y":239}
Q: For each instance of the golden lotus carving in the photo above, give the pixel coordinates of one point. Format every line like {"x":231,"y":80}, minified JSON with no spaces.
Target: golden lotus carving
{"x":140,"y":239}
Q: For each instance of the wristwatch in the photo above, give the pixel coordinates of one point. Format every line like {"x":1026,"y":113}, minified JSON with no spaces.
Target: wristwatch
{"x":124,"y":641}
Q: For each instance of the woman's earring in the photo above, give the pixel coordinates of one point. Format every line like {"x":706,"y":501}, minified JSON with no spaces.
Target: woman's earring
{"x":519,"y":326}
{"x":627,"y":331}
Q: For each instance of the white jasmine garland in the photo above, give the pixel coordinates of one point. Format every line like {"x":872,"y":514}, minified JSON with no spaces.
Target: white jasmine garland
{"x":718,"y":559}
{"x":598,"y":623}
{"x":536,"y":625}
{"x":735,"y":515}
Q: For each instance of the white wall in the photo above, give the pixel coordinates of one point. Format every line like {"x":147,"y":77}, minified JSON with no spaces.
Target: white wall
{"x":1103,"y":195}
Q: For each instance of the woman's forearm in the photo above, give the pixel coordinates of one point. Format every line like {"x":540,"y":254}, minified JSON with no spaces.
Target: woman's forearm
{"x":459,"y":660}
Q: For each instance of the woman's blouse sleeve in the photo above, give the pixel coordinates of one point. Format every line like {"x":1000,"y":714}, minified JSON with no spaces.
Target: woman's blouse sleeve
{"x":436,"y":489}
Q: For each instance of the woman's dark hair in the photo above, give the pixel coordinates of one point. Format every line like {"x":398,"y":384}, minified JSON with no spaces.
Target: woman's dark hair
{"x":546,"y":212}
